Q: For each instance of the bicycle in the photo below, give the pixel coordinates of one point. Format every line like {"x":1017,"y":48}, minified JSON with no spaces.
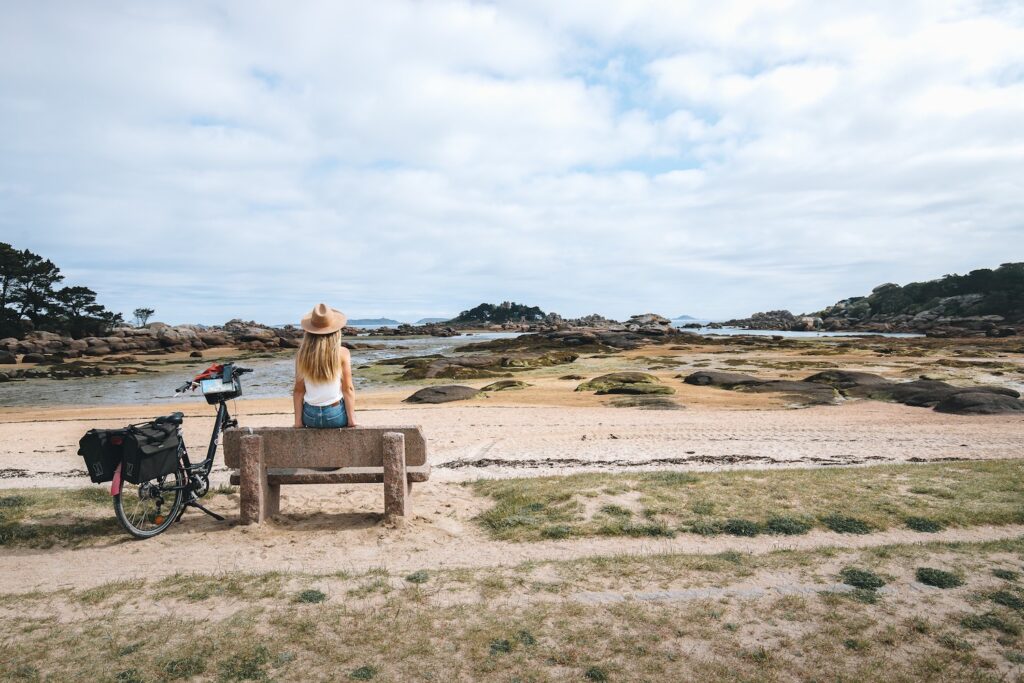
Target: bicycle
{"x":139,"y":508}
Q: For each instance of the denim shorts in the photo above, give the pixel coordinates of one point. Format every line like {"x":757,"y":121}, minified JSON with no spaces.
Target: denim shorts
{"x":324,"y":417}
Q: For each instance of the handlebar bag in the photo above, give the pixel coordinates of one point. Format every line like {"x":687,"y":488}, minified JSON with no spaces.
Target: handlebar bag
{"x":102,"y":450}
{"x":150,"y":452}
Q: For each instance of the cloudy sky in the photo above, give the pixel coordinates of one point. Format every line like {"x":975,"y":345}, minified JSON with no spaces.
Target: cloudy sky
{"x":222,"y":159}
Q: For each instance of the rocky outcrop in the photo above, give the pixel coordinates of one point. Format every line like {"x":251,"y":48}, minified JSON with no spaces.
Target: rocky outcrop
{"x":443,"y":394}
{"x":825,"y":387}
{"x":436,"y":366}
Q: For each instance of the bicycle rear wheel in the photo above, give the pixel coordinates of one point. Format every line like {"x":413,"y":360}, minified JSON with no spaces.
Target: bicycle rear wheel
{"x":148,"y":508}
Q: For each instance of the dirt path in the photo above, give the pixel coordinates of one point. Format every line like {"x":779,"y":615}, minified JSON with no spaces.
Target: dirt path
{"x":325,"y":529}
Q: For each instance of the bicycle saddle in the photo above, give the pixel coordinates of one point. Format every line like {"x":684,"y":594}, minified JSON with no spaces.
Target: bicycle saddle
{"x":173,"y":418}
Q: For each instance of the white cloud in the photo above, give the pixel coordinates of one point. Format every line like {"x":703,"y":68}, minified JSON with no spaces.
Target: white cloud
{"x":407,"y":158}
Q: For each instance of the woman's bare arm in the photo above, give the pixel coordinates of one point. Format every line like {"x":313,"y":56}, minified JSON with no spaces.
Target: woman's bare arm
{"x":298,"y":393}
{"x":347,"y":388}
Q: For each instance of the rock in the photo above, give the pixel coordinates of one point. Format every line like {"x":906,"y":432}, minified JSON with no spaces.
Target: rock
{"x":645,"y":403}
{"x":33,"y":358}
{"x":928,"y":393}
{"x":979,"y":403}
{"x":443,"y":394}
{"x":626,"y":383}
{"x":649,"y":319}
{"x":196,"y":354}
{"x":97,"y":351}
{"x":7,"y":358}
{"x":504,"y":384}
{"x":572,"y":377}
{"x":809,"y":392}
{"x":844,"y":379}
{"x":726,"y":380}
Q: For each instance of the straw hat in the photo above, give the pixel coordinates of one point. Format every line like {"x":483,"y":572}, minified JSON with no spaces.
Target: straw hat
{"x":324,"y":320}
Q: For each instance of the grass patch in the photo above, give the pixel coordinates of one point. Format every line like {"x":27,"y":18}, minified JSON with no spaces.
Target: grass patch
{"x":1006,"y":574}
{"x":926,"y":497}
{"x":1007,"y":599}
{"x":925,"y":525}
{"x":844,"y":524}
{"x":741,"y":527}
{"x":311,"y":596}
{"x":787,"y":526}
{"x":183,"y":668}
{"x":937,"y":577}
{"x":419,"y":576}
{"x":861,"y":578}
{"x":990,"y":620}
{"x":363,"y":673}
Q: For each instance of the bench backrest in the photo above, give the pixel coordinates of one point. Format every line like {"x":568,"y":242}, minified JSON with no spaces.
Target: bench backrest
{"x":351,"y":447}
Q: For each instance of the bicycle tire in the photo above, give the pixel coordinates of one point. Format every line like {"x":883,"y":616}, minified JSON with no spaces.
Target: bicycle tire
{"x":141,"y":499}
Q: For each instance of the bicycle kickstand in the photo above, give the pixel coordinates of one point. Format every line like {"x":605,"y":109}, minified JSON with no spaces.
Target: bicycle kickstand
{"x":195,"y":503}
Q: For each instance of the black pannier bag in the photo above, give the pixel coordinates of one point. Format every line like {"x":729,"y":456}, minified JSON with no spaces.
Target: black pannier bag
{"x":150,"y":451}
{"x":102,"y":450}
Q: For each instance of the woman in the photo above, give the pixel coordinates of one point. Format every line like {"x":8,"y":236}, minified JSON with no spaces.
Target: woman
{"x":323,"y":395}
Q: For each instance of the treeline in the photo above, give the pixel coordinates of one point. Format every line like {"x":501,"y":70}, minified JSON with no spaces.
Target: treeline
{"x":984,"y":292}
{"x":31,"y":299}
{"x":505,"y":312}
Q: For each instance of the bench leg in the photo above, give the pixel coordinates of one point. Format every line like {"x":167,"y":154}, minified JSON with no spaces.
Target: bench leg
{"x":253,"y":485}
{"x":272,"y":503}
{"x":395,"y":478}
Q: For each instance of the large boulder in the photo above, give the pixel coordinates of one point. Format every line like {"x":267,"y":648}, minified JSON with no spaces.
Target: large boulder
{"x":979,"y":403}
{"x":626,"y":383}
{"x":7,"y":358}
{"x":33,"y":358}
{"x":443,"y":394}
{"x":807,"y":393}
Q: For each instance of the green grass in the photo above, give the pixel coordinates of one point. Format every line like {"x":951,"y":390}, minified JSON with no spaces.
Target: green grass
{"x":45,"y":517}
{"x":926,"y":497}
{"x":939,"y":578}
{"x":861,"y":578}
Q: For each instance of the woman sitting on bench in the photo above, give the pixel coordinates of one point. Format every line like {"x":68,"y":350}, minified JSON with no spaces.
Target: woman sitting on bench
{"x":323,"y":395}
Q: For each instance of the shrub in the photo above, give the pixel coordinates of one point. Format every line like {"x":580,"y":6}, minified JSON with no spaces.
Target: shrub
{"x":499,"y":647}
{"x":1005,"y":574}
{"x":706,"y":528}
{"x":788,"y":526}
{"x":846,"y":525}
{"x":937,"y":578}
{"x":861,"y":578}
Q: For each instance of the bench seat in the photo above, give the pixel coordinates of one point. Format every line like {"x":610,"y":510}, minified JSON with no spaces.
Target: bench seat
{"x":267,"y":458}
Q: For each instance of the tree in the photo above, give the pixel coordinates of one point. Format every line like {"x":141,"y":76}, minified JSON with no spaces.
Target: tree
{"x":142,"y":316}
{"x":28,"y":299}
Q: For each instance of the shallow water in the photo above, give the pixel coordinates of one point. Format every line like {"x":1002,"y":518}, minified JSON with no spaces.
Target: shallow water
{"x":272,"y":377}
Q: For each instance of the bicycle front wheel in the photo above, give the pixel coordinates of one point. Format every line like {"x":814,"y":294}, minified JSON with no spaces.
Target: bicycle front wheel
{"x":147,"y":509}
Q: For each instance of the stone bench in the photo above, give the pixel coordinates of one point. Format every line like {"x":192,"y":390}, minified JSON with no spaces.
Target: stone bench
{"x":266,"y":458}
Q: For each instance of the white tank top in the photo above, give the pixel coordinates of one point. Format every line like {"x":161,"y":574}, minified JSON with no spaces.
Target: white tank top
{"x":323,"y":393}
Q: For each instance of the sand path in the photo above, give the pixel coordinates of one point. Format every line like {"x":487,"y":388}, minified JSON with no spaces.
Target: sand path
{"x":39,"y":448}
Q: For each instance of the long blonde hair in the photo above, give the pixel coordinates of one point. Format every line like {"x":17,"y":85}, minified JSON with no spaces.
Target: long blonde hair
{"x":319,"y":358}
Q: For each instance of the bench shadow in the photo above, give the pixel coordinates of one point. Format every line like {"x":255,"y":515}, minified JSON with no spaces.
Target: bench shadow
{"x":292,"y":521}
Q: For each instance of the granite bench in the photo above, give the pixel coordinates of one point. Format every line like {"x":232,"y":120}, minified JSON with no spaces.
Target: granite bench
{"x":267,"y":458}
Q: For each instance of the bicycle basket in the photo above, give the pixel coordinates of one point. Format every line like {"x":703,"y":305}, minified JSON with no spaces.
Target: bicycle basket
{"x":150,"y":452}
{"x":102,"y":450}
{"x":216,"y":389}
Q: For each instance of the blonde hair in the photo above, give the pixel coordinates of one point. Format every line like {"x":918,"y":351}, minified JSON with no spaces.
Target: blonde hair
{"x":319,"y":358}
